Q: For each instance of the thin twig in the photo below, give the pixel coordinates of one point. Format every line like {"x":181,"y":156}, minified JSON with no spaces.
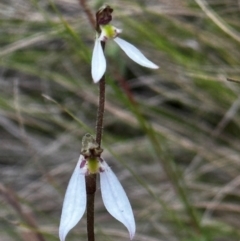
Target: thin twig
{"x":91,"y":189}
{"x":88,"y":12}
{"x":218,"y":20}
{"x":126,"y":88}
{"x":91,"y":179}
{"x":27,"y":217}
{"x":233,"y":80}
{"x":101,"y":106}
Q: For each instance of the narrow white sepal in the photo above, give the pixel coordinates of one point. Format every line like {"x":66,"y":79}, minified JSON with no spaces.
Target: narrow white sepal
{"x":115,"y":199}
{"x":98,"y":61}
{"x":133,"y":53}
{"x":74,"y":204}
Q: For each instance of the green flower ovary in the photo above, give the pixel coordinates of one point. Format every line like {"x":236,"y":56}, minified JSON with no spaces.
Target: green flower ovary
{"x":93,"y":165}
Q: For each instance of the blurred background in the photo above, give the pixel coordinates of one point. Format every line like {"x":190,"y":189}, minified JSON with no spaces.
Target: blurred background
{"x":171,"y":135}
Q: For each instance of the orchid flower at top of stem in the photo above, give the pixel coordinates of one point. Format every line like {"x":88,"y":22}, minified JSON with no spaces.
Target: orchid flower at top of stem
{"x":98,"y":59}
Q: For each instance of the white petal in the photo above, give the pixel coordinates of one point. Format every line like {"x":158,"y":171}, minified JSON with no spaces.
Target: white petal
{"x":98,"y":62}
{"x":115,"y":199}
{"x":74,"y":204}
{"x":133,"y":53}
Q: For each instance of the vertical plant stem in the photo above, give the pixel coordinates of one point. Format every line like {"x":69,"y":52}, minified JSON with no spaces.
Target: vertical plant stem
{"x":91,"y":179}
{"x":100,"y":114}
{"x":91,"y":189}
{"x":88,"y":12}
{"x":103,"y":16}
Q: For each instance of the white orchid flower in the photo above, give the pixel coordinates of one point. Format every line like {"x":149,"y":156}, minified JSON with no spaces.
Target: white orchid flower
{"x":113,"y":195}
{"x":98,"y":58}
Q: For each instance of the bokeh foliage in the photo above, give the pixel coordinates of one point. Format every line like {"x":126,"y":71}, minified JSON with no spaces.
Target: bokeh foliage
{"x":171,"y":135}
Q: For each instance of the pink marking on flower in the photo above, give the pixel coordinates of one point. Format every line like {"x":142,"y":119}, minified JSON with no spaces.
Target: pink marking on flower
{"x":82,"y":163}
{"x":105,"y":38}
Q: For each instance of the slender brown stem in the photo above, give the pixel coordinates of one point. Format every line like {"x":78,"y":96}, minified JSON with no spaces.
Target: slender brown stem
{"x":99,"y":123}
{"x":91,"y":179}
{"x":88,"y":12}
{"x":101,"y":105}
{"x":91,"y":189}
{"x":103,"y":16}
{"x":233,"y":80}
